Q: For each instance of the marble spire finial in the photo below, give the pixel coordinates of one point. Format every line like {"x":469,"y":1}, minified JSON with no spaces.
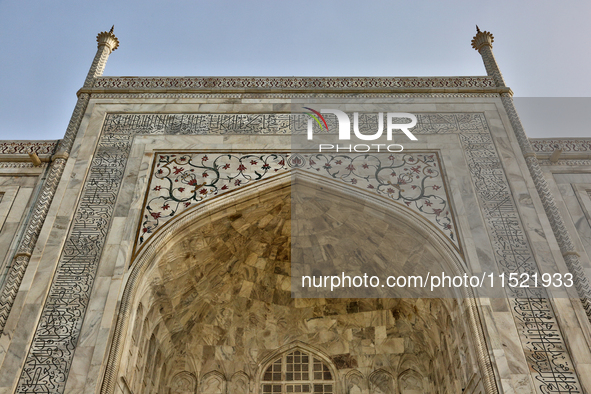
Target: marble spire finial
{"x":107,"y":43}
{"x":481,"y":39}
{"x":108,"y":39}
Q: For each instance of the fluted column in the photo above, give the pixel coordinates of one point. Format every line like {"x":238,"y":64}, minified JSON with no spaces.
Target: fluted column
{"x":482,"y":42}
{"x":107,"y":43}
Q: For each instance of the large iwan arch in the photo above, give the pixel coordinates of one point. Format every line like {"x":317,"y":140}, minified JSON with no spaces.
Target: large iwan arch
{"x":212,"y":293}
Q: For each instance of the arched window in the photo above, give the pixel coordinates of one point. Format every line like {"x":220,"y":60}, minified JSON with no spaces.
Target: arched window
{"x":297,"y":372}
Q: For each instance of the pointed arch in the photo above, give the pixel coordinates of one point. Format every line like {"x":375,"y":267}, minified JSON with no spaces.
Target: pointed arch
{"x":183,"y":383}
{"x":411,"y":382}
{"x":411,"y":362}
{"x":159,"y":246}
{"x":213,"y":382}
{"x":240,"y":383}
{"x":355,"y":383}
{"x":381,"y":382}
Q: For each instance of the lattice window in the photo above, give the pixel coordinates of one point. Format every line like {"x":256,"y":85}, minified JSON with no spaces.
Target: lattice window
{"x":297,"y":372}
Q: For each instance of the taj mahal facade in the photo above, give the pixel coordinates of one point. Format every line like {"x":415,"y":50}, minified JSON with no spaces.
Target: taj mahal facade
{"x":159,"y":247}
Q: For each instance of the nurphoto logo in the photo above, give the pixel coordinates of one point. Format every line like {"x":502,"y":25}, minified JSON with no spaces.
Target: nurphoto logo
{"x":344,"y":123}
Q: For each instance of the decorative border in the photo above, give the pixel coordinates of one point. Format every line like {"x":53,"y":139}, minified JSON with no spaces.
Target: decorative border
{"x":17,"y":164}
{"x":50,"y":356}
{"x":273,"y":124}
{"x":540,"y":335}
{"x":39,"y":147}
{"x":123,"y":95}
{"x":566,"y":162}
{"x":286,"y":83}
{"x":567,"y":145}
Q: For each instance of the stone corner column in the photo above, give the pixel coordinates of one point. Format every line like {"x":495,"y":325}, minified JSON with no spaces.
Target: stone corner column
{"x":482,"y":42}
{"x":107,"y":43}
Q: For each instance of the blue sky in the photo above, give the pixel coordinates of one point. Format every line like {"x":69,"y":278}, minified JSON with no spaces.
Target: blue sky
{"x":541,"y":47}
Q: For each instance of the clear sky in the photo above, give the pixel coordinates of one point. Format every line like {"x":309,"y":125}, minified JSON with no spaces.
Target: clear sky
{"x":541,"y":46}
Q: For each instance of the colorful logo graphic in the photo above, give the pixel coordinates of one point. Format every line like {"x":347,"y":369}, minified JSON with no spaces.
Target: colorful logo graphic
{"x":316,"y":117}
{"x":344,"y":124}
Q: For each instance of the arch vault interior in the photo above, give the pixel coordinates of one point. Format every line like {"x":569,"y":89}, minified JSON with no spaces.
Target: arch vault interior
{"x":212,"y":311}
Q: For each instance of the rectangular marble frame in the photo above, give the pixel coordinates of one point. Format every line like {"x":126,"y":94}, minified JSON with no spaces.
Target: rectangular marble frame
{"x":88,"y":133}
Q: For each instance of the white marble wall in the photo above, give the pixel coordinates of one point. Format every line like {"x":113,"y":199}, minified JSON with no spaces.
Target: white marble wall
{"x":504,"y":345}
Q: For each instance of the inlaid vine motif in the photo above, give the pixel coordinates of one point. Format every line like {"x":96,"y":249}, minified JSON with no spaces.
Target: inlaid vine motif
{"x":182,"y":180}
